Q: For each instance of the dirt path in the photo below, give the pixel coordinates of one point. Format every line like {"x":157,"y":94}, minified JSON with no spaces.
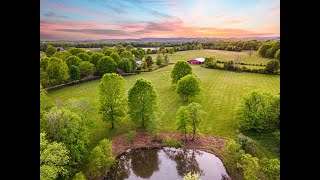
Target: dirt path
{"x":206,"y":143}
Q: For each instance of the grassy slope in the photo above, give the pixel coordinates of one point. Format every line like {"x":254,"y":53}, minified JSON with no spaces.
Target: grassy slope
{"x":222,"y":91}
{"x":219,"y":54}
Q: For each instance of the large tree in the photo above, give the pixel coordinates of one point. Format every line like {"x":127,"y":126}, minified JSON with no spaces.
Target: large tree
{"x":127,"y":54}
{"x":149,"y":61}
{"x":115,"y":56}
{"x":196,"y":115}
{"x":112,"y":90}
{"x":63,"y":125}
{"x":272,"y":67}
{"x":264,"y":48}
{"x":106,"y":65}
{"x":125,"y":65}
{"x":143,"y":102}
{"x":53,"y":159}
{"x":86,"y":68}
{"x":74,"y":72}
{"x":188,"y":86}
{"x":57,"y":70}
{"x":100,"y":159}
{"x":259,"y":111}
{"x":62,"y":54}
{"x":84,"y":57}
{"x":75,"y":51}
{"x":95,"y":57}
{"x":73,"y":60}
{"x":50,"y":51}
{"x":180,"y":69}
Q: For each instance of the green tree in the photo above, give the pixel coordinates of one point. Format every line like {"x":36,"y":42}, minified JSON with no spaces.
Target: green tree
{"x":73,"y":60}
{"x":108,"y":52}
{"x":86,"y":68}
{"x":63,"y":125}
{"x":277,"y":54}
{"x":79,"y":176}
{"x":251,"y":167}
{"x":50,"y":51}
{"x":95,"y":57}
{"x":183,"y":119}
{"x":127,"y":54}
{"x":171,"y":51}
{"x":74,"y":72}
{"x":144,"y":66}
{"x":106,"y":65}
{"x":44,"y":78}
{"x":100,"y":159}
{"x":115,"y":56}
{"x":272,"y":67}
{"x":166,"y":59}
{"x":46,"y":103}
{"x":275,"y":47}
{"x":259,"y":111}
{"x":125,"y":65}
{"x":188,"y":86}
{"x":163,"y":51}
{"x":159,"y":60}
{"x":53,"y":159}
{"x":196,"y":115}
{"x":62,"y":54}
{"x":271,"y":168}
{"x":84,"y":57}
{"x":180,"y":69}
{"x":143,"y":102}
{"x":112,"y":90}
{"x":57,"y":70}
{"x":134,"y":65}
{"x":44,"y":63}
{"x":129,"y":47}
{"x":263,"y":49}
{"x":149,"y":61}
{"x":75,"y":51}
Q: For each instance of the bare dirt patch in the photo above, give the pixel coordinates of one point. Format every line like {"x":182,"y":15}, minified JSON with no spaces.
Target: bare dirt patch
{"x":206,"y":143}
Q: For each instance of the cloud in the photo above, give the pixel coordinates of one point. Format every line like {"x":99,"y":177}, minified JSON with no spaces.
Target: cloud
{"x":98,"y":31}
{"x":54,"y":15}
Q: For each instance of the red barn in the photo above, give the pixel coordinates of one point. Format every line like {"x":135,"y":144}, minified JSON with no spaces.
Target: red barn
{"x":196,"y":61}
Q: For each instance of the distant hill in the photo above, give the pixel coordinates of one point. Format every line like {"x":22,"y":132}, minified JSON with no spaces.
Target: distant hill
{"x":175,"y":39}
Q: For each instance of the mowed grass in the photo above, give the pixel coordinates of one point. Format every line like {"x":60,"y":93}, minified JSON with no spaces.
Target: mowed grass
{"x":220,"y":55}
{"x":221,"y":92}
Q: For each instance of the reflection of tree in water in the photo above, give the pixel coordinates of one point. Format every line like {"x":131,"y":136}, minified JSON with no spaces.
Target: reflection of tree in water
{"x":121,"y":170}
{"x":186,"y":160}
{"x":144,"y":162}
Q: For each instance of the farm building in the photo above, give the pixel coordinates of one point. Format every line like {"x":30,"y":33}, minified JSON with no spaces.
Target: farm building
{"x":196,"y":61}
{"x":139,"y":62}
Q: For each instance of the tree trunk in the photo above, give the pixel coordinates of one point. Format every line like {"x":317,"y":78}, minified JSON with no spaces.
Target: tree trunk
{"x":185,"y":136}
{"x":112,"y":125}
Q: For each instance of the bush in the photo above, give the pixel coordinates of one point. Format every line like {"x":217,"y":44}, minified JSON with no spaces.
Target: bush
{"x":259,"y":111}
{"x":79,"y":176}
{"x":271,"y":168}
{"x":192,"y":176}
{"x":74,"y":72}
{"x":247,"y":144}
{"x":272,"y":67}
{"x":130,"y":136}
{"x":169,"y":142}
{"x":86,"y":68}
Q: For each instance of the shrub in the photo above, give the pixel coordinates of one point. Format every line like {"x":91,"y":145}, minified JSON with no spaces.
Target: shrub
{"x":130,"y":136}
{"x":79,"y":176}
{"x":172,"y":142}
{"x":247,"y":144}
{"x":259,"y":111}
{"x":86,"y":68}
{"x":270,"y":168}
{"x":272,"y":67}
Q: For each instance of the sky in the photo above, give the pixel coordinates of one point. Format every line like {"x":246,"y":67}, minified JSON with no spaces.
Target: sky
{"x":123,"y":19}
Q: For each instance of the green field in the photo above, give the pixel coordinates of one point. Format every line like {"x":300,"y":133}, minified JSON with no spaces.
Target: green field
{"x":221,"y":92}
{"x":218,"y":54}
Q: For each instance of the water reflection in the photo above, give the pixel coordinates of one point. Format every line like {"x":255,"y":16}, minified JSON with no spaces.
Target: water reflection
{"x":167,"y":163}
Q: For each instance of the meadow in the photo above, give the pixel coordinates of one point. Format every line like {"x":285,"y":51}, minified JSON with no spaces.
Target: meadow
{"x":221,"y":92}
{"x":220,"y":55}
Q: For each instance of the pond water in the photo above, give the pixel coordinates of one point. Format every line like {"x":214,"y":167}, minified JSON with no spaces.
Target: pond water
{"x":166,"y":164}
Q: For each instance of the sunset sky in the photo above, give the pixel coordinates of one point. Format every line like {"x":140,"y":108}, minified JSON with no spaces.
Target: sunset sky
{"x":120,"y":19}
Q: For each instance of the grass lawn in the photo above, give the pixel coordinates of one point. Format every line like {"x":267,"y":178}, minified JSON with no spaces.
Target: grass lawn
{"x":221,"y":93}
{"x":220,"y":55}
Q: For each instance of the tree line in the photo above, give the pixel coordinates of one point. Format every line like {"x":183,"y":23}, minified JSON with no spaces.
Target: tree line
{"x":230,"y":45}
{"x":58,"y":67}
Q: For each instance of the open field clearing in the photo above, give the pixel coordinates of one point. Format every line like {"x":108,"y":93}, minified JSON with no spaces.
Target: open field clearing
{"x":221,"y":93}
{"x":220,"y":55}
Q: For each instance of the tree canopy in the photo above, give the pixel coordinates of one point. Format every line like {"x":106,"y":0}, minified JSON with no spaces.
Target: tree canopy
{"x":188,"y":86}
{"x":180,"y":69}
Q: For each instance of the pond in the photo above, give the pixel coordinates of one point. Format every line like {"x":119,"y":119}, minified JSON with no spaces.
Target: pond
{"x":166,"y":164}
